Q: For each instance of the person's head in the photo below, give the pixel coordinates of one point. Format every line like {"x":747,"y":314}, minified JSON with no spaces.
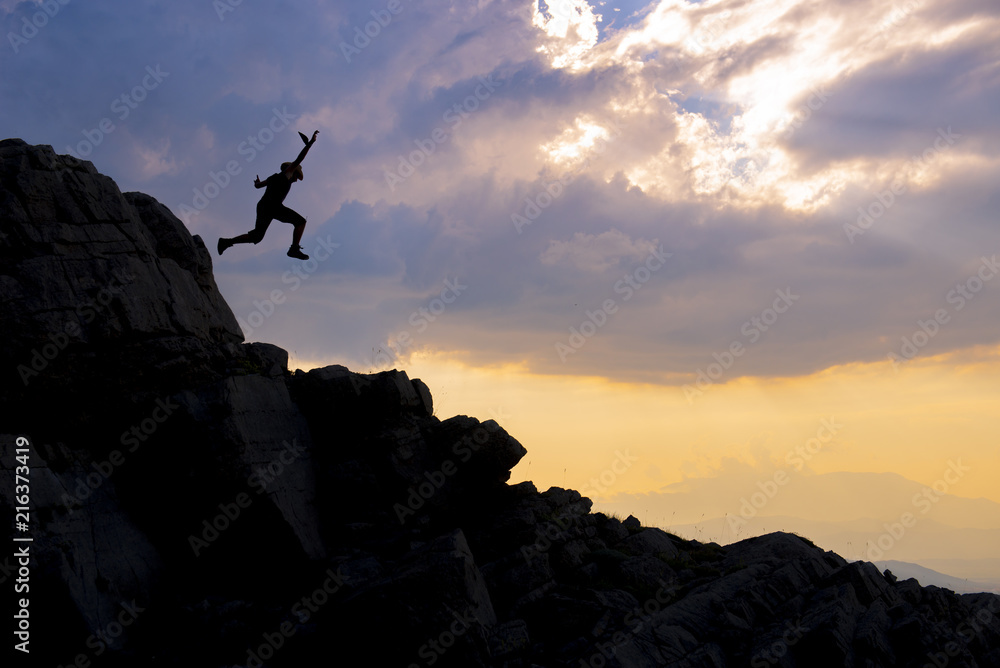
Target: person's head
{"x":285,"y":166}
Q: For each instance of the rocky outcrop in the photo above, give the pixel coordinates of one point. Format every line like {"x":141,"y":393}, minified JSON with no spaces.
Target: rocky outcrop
{"x":195,"y":502}
{"x":84,"y":263}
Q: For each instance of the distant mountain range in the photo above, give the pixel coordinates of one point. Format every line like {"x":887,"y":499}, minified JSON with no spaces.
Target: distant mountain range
{"x":857,"y":515}
{"x":926,"y":577}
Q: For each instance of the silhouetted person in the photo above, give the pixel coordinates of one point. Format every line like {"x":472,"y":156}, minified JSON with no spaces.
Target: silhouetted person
{"x":270,"y":206}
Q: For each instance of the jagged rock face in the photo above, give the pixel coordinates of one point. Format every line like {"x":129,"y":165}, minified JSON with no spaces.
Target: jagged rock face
{"x":103,"y":268}
{"x":168,"y":459}
{"x":236,"y":513}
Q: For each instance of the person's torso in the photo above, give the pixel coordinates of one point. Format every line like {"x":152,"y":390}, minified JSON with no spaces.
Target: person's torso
{"x":277,"y":188}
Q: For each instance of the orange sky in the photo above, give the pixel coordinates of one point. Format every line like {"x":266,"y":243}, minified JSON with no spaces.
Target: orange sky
{"x":910,"y":422}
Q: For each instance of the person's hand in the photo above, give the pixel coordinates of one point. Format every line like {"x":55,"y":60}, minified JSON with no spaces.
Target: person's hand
{"x":313,"y":141}
{"x":256,"y":181}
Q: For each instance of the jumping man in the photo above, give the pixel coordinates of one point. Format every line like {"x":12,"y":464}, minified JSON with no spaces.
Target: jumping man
{"x":270,"y":206}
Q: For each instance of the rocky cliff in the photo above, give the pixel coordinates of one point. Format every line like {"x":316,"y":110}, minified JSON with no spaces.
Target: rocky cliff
{"x":193,"y":502}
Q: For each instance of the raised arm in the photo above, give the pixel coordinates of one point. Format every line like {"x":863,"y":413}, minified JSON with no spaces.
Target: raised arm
{"x":305,"y":149}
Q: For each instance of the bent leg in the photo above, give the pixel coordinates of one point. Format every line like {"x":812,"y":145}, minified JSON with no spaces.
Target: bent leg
{"x":254,"y":236}
{"x":286,"y":215}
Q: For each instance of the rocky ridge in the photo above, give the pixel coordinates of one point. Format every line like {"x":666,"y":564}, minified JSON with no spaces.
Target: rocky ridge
{"x":195,"y":502}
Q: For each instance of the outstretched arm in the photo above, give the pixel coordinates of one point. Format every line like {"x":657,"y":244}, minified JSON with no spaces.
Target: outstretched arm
{"x":305,"y":149}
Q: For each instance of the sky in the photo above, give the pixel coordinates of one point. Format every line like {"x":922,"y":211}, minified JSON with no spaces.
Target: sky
{"x":672,"y":247}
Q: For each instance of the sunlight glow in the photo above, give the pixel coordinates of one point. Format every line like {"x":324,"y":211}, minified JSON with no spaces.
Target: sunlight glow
{"x":575,"y":141}
{"x":733,"y":147}
{"x":571,"y":26}
{"x":571,"y":426}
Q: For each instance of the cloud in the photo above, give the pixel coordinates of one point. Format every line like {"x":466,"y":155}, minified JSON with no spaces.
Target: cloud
{"x":598,"y":253}
{"x":743,"y":137}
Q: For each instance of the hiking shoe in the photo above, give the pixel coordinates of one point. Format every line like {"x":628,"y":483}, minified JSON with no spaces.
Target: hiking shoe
{"x":223,"y":245}
{"x":296,"y":251}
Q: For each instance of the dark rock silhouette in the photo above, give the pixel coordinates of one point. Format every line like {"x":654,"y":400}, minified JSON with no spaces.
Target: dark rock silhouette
{"x":195,"y":503}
